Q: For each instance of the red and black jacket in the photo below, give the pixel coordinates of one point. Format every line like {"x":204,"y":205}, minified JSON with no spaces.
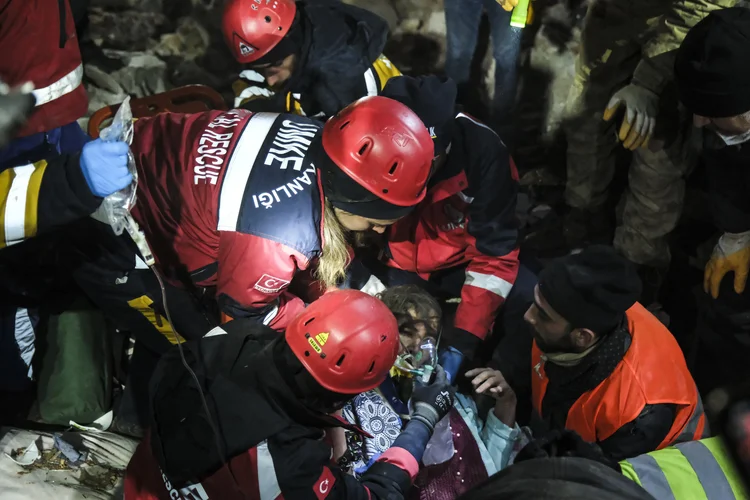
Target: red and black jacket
{"x":231,"y":199}
{"x":468,"y":218}
{"x":272,"y":444}
{"x":39,"y":45}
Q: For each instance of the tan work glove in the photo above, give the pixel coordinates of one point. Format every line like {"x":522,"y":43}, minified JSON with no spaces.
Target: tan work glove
{"x":508,"y":5}
{"x":642,"y":106}
{"x":731,"y":254}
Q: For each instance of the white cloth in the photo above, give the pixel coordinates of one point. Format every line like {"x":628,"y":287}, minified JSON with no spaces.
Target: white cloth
{"x":730,"y":243}
{"x":733,"y":140}
{"x":253,"y":90}
{"x":108,"y":449}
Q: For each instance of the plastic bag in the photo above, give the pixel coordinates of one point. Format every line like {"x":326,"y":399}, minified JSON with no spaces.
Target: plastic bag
{"x":116,"y":207}
{"x":440,"y":446}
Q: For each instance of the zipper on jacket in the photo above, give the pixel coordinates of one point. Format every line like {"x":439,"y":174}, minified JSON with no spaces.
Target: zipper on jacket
{"x":538,"y":367}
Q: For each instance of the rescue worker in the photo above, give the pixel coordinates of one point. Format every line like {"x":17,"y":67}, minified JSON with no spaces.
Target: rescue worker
{"x":602,"y":365}
{"x":52,"y":192}
{"x":557,"y":478}
{"x":625,"y":69}
{"x":41,"y":196}
{"x":714,"y":84}
{"x":461,"y":240}
{"x":234,"y":204}
{"x":696,"y":469}
{"x":35,"y":199}
{"x":462,"y":21}
{"x":304,"y":57}
{"x":51,"y":60}
{"x":270,"y":398}
{"x":701,"y":469}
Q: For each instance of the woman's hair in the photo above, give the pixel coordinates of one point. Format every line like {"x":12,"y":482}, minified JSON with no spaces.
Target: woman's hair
{"x":412,"y":306}
{"x":335,"y":256}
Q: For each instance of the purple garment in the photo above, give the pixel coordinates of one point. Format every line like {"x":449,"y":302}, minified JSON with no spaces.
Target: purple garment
{"x":451,"y":479}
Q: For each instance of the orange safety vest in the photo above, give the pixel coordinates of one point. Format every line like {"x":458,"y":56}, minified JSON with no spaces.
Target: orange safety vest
{"x":653,"y":371}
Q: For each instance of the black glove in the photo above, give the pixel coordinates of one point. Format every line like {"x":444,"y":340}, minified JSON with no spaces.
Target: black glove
{"x":433,"y":402}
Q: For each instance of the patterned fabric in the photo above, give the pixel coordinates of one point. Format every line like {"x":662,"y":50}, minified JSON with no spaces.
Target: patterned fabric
{"x":451,"y":479}
{"x":371,"y":413}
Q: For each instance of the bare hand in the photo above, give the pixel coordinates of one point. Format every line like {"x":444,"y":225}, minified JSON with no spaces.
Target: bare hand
{"x":491,"y":383}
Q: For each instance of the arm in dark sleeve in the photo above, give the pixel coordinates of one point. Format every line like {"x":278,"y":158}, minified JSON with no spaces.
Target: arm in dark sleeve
{"x":39,"y":197}
{"x":253,"y":277}
{"x":642,"y":435}
{"x":304,"y":472}
{"x":657,"y":64}
{"x":492,"y":227}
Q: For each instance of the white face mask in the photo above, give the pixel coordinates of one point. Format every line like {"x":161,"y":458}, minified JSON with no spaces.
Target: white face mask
{"x":733,"y":140}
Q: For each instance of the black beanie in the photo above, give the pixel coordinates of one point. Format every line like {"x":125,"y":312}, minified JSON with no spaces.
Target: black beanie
{"x":591,"y":289}
{"x":712,"y":68}
{"x":433,"y":99}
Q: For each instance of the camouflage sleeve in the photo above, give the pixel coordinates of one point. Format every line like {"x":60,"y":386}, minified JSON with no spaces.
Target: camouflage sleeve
{"x":657,"y":65}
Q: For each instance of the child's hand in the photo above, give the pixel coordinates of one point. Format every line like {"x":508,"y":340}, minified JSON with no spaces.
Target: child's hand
{"x":491,"y":383}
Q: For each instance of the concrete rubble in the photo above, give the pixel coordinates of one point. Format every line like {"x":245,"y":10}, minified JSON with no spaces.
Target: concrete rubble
{"x":162,"y":44}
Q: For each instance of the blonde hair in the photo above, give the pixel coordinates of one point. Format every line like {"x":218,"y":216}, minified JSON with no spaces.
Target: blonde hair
{"x":335,"y":256}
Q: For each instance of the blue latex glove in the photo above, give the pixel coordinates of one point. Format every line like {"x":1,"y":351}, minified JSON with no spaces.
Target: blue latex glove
{"x":105,"y":167}
{"x":450,"y":359}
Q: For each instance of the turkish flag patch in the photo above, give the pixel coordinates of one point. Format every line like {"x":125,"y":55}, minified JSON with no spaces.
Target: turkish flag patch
{"x":270,"y":284}
{"x":324,"y":484}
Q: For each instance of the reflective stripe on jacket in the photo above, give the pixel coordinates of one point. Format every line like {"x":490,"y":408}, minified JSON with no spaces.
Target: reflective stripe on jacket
{"x":39,"y":45}
{"x":41,"y":196}
{"x":698,"y":470}
{"x":652,"y":371}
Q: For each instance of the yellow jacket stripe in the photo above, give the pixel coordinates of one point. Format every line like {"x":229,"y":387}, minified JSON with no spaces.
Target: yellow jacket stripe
{"x":385,"y":70}
{"x":696,"y":470}
{"x":19,"y":201}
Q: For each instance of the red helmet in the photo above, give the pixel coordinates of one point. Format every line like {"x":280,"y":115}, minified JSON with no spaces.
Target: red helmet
{"x":347,"y":340}
{"x":253,"y":27}
{"x":384,"y":146}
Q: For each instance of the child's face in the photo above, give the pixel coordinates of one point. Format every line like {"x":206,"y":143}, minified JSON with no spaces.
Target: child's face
{"x":412,"y":338}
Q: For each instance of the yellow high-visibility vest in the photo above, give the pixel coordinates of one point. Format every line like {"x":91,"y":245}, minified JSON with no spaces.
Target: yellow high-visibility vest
{"x":696,"y":470}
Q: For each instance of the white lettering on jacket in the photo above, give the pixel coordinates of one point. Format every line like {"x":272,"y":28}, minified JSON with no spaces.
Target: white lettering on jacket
{"x":268,"y":198}
{"x":191,"y":491}
{"x":290,"y":145}
{"x":213,"y":145}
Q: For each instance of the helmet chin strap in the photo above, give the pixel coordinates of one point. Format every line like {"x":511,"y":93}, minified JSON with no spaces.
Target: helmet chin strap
{"x":304,"y":387}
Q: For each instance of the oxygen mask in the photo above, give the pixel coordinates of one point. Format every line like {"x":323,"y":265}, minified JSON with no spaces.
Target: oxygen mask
{"x":420,"y":362}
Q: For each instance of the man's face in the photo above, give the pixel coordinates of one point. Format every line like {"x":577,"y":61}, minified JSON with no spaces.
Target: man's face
{"x":735,"y":125}
{"x":357,"y":223}
{"x":551,"y":331}
{"x":278,"y":73}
